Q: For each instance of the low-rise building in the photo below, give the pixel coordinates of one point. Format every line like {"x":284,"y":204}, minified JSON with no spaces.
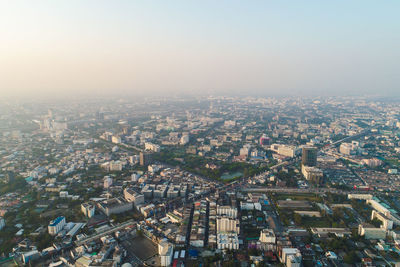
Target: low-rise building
{"x":312,"y":173}
{"x":114,"y":206}
{"x":387,"y":223}
{"x":267,"y":236}
{"x":227,"y":241}
{"x":291,"y":257}
{"x":132,"y":196}
{"x":370,"y":232}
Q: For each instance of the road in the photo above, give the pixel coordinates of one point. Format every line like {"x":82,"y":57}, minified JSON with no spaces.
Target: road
{"x":346,"y":138}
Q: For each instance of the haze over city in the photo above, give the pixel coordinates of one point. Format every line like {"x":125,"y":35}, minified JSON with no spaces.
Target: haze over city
{"x":53,"y":48}
{"x":199,"y":133}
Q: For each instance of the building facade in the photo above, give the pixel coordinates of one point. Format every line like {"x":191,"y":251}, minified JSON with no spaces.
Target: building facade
{"x":56,"y":225}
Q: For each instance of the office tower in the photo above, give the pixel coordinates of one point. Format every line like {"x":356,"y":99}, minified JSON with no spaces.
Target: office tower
{"x":309,"y":156}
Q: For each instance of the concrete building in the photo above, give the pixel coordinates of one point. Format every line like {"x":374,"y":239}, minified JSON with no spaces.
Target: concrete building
{"x":312,"y":173}
{"x":370,"y":232}
{"x":244,"y":151}
{"x":294,"y":261}
{"x":114,"y":206}
{"x":324,"y":232}
{"x":285,"y":150}
{"x":291,"y":257}
{"x":227,"y":241}
{"x":359,"y":196}
{"x":88,"y":209}
{"x":267,"y":236}
{"x":56,"y":225}
{"x":375,"y":203}
{"x":147,"y":191}
{"x":108,"y":181}
{"x":184,"y":139}
{"x":166,"y":251}
{"x":225,"y":224}
{"x":309,"y":156}
{"x":227,"y":211}
{"x":116,"y":165}
{"x":135,"y":177}
{"x":173,"y":191}
{"x":116,"y":139}
{"x":147,"y":210}
{"x":160,"y":191}
{"x":346,"y":149}
{"x":264,"y":140}
{"x":387,"y":223}
{"x":152,"y":147}
{"x":133,"y":196}
{"x":30,"y":256}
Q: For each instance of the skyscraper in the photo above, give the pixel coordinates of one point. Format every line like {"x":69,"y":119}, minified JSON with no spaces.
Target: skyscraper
{"x":309,"y":156}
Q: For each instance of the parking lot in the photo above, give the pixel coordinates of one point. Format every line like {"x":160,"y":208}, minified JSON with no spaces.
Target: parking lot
{"x":141,"y":247}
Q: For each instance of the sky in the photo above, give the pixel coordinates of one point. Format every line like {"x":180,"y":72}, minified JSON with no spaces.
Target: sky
{"x":82,"y":47}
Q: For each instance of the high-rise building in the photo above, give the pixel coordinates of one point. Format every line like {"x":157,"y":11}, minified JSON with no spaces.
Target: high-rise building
{"x":56,"y":225}
{"x":225,"y":224}
{"x":108,"y":181}
{"x":145,"y":158}
{"x":10,"y":176}
{"x":264,"y":140}
{"x":88,"y":209}
{"x":309,"y":156}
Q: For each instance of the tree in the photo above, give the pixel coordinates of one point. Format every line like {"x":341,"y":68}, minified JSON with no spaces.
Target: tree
{"x":350,"y":257}
{"x":297,"y":218}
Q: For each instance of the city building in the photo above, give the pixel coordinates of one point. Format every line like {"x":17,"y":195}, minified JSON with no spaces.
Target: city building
{"x":267,"y":236}
{"x":360,"y":196}
{"x":132,"y":196}
{"x":166,"y":250}
{"x":309,"y":156}
{"x":387,"y":223}
{"x":227,"y":211}
{"x":226,"y":224}
{"x":285,"y":150}
{"x":312,"y":174}
{"x":370,"y":232}
{"x":346,"y":149}
{"x":114,"y":206}
{"x":264,"y":140}
{"x":184,"y":139}
{"x":30,"y":256}
{"x":227,"y":241}
{"x":152,"y":147}
{"x":291,"y":257}
{"x":88,"y":209}
{"x":108,"y":181}
{"x":56,"y":225}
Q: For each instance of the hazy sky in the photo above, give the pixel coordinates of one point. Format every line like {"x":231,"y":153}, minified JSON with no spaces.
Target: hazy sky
{"x":260,"y":47}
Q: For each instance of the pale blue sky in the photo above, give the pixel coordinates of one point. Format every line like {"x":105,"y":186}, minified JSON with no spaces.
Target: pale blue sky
{"x":260,"y":47}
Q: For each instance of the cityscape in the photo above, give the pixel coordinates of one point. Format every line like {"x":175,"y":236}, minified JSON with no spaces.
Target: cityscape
{"x":201,"y":181}
{"x":205,"y":133}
